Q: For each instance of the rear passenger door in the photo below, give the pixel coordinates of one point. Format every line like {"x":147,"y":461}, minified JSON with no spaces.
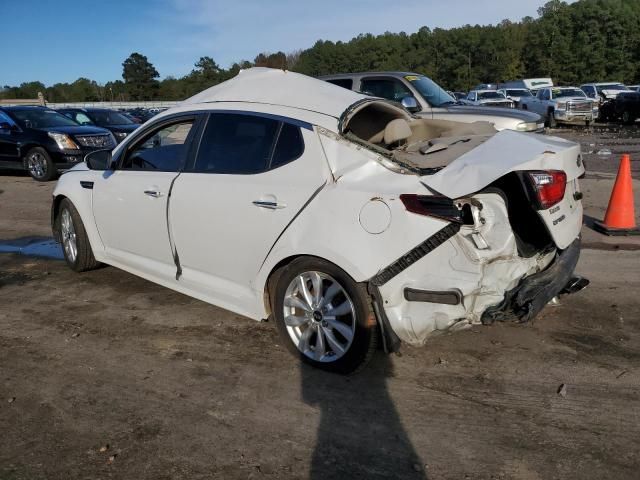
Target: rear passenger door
{"x":252,"y":174}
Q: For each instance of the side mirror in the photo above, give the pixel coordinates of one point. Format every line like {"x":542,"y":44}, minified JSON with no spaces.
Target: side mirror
{"x":411,"y":104}
{"x":99,"y":160}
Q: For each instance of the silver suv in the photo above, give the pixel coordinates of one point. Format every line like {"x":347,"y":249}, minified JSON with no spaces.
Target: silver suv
{"x":425,"y":98}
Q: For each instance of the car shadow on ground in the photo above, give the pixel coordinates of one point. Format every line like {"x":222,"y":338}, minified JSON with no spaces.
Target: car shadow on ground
{"x":360,"y":434}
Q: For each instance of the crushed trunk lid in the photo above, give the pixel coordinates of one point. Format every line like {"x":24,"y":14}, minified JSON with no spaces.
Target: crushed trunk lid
{"x":510,"y":151}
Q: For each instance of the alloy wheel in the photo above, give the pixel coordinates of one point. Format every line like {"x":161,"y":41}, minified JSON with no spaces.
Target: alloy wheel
{"x":37,"y":165}
{"x":319,"y":315}
{"x":68,"y":235}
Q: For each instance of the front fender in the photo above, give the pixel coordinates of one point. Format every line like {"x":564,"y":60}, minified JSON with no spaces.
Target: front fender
{"x":69,"y":186}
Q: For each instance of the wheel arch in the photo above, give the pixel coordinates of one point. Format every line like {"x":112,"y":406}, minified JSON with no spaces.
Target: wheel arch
{"x":68,"y":188}
{"x":276,"y":270}
{"x":55,"y":211}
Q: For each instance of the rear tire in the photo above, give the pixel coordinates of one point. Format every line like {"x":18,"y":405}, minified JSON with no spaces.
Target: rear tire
{"x":73,"y":236}
{"x":323,"y":316}
{"x":38,"y":163}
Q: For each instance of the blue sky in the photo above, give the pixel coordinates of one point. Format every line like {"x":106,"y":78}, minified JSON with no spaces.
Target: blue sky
{"x":61,"y":40}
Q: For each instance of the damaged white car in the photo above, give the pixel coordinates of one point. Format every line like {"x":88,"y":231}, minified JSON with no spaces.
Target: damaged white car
{"x":348,"y":221}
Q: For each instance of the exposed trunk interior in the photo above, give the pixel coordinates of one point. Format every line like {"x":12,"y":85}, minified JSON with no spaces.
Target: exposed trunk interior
{"x":423,"y":144}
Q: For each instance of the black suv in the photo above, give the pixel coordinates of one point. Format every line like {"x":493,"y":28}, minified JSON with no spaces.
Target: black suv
{"x":114,"y":121}
{"x":625,"y":107}
{"x":44,"y":142}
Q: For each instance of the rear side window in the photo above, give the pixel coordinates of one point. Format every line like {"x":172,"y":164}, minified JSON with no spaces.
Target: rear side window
{"x":235,"y":143}
{"x":289,"y":146}
{"x":342,"y":82}
{"x":388,"y":88}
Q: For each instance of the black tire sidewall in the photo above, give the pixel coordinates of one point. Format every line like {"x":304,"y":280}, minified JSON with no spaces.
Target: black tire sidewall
{"x":84,"y":257}
{"x":51,"y":172}
{"x":365,"y":337}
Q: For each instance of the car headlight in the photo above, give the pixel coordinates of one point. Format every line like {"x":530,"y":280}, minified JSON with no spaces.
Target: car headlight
{"x":561,"y":106}
{"x":529,"y":126}
{"x":63,"y":141}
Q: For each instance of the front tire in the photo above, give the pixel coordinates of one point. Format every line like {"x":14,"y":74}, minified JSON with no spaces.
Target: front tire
{"x":324,"y":317}
{"x":73,"y":236}
{"x":38,"y":163}
{"x":551,"y":120}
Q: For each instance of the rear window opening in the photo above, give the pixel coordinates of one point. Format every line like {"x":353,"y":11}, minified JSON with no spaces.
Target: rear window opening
{"x":421,"y":145}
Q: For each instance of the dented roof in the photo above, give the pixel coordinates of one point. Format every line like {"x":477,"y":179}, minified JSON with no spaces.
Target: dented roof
{"x":280,"y":87}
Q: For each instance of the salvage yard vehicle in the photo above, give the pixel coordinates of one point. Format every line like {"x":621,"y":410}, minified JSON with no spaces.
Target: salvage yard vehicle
{"x":568,"y":105}
{"x":44,"y":142}
{"x":488,"y":98}
{"x":114,"y":121}
{"x":603,"y":91}
{"x":426,"y":99}
{"x":625,"y":107}
{"x":515,"y":94}
{"x":342,"y":217}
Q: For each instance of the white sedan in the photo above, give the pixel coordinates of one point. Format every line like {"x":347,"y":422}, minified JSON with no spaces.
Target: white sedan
{"x":348,"y":221}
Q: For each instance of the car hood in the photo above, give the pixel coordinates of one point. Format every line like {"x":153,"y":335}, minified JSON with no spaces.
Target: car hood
{"x":123,"y":128}
{"x":492,"y":112}
{"x":76,"y":130}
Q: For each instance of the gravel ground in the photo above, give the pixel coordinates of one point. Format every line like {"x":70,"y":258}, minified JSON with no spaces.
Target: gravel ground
{"x":106,"y":375}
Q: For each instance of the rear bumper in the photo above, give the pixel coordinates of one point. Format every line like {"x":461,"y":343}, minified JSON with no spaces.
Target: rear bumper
{"x":530,"y":296}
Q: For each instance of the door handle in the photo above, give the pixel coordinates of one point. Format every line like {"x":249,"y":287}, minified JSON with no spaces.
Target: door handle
{"x":153,"y":193}
{"x":268,"y":204}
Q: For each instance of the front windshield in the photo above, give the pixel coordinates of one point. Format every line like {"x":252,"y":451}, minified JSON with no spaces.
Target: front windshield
{"x":519,"y":93}
{"x":612,"y":86}
{"x":568,"y":92}
{"x":41,"y":118}
{"x":430,"y":90}
{"x":108,"y":118}
{"x":487,"y":95}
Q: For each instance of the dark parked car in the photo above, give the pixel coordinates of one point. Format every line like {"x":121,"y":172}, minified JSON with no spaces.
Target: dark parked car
{"x":116,"y":122}
{"x":625,"y":107}
{"x":45,"y":142}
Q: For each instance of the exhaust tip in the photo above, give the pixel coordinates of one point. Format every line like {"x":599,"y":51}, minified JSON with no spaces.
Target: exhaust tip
{"x":574,"y":285}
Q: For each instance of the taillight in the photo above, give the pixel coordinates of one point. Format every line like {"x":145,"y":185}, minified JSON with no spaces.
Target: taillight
{"x":549,"y":187}
{"x":433,"y":206}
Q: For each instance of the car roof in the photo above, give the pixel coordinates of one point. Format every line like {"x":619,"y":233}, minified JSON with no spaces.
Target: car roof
{"x":16,"y":108}
{"x":269,"y":86}
{"x":369,"y":74}
{"x":485,"y":90}
{"x":602,"y":83}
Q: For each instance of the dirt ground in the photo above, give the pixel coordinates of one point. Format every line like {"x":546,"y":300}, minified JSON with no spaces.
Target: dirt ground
{"x":105,"y":375}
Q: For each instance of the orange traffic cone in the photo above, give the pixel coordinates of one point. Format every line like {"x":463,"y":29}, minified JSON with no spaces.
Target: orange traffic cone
{"x":620,"y":218}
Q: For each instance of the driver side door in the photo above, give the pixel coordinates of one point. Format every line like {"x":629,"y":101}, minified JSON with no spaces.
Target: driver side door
{"x":130,"y":203}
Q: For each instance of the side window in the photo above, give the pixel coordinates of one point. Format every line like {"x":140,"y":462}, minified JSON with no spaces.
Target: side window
{"x":4,"y":118}
{"x":236,"y":143}
{"x":289,"y":146}
{"x":471,"y":96}
{"x":540,"y":94}
{"x":82,"y":119}
{"x":546,"y":95}
{"x":388,"y":88}
{"x":162,"y":150}
{"x":342,"y":82}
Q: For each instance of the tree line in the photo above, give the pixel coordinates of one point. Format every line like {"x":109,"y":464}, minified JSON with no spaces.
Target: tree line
{"x":590,"y":40}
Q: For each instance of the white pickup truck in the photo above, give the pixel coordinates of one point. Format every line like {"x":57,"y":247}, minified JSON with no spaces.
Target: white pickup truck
{"x":567,"y":105}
